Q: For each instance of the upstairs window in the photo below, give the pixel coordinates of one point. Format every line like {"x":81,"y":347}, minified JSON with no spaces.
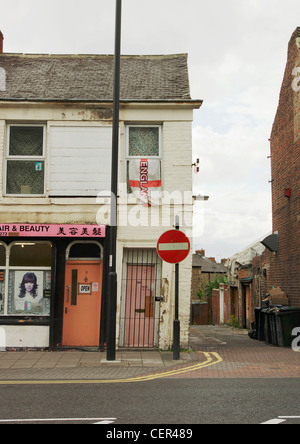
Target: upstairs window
{"x":143,"y":161}
{"x":144,"y":141}
{"x":25,"y":163}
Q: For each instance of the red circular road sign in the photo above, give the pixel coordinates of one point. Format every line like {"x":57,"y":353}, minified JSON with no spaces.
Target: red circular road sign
{"x":173,"y":246}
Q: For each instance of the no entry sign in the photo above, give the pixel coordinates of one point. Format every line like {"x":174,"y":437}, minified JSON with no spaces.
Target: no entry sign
{"x":173,"y":246}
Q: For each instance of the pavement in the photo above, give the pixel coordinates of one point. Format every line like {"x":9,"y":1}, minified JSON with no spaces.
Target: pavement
{"x":215,"y":352}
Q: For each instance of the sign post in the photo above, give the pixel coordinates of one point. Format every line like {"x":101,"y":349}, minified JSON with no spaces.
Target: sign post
{"x":176,"y":326}
{"x":173,"y":247}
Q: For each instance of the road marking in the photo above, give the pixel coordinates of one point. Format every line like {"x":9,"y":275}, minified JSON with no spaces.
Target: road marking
{"x":289,"y":417}
{"x":274,"y":421}
{"x":280,"y":419}
{"x":212,"y":358}
{"x":99,"y":420}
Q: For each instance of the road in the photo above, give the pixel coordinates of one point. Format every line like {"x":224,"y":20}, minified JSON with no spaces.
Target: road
{"x":167,"y":401}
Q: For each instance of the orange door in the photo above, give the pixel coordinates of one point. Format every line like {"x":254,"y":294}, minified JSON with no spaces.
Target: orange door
{"x":139,"y":327}
{"x":82,"y":304}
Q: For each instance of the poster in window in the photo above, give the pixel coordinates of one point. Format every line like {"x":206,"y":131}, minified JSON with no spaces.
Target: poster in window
{"x":28,"y":291}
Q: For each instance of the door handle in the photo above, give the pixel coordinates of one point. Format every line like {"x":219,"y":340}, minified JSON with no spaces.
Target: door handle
{"x":68,"y":293}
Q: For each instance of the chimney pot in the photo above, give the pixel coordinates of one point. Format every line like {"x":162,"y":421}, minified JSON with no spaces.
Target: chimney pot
{"x":1,"y":42}
{"x":213,"y":259}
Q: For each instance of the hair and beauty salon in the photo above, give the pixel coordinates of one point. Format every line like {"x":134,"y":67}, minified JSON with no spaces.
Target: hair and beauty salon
{"x":51,"y":285}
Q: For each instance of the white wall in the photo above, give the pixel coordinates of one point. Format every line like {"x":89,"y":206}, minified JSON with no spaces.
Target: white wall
{"x":26,"y":336}
{"x":79,"y":160}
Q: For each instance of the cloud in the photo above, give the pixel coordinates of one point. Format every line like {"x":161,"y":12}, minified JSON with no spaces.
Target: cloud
{"x":234,"y":172}
{"x":234,"y":157}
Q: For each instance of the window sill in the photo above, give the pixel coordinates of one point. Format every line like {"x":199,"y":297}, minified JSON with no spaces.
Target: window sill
{"x":24,"y":320}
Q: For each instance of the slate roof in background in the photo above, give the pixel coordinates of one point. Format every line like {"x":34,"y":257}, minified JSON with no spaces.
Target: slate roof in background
{"x":208,"y":266}
{"x":90,"y":77}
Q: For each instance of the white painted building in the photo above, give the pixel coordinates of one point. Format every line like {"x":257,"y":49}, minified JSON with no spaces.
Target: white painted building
{"x":55,"y":163}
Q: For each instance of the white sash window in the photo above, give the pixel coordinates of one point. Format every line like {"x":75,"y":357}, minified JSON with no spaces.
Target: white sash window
{"x":25,"y":163}
{"x":143,"y":163}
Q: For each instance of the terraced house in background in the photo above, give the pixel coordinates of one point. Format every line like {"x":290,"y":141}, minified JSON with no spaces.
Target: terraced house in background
{"x":55,"y":155}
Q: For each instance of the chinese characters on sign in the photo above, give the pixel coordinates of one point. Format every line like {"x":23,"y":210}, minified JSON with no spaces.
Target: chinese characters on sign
{"x":43,"y":230}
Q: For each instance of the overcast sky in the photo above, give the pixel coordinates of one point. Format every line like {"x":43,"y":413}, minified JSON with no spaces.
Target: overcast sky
{"x":237,"y":55}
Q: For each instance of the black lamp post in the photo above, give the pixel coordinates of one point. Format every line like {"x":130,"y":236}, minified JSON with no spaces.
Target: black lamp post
{"x":112,"y":275}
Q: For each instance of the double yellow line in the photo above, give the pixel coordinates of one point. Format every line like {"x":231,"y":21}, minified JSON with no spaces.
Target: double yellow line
{"x":211,"y":359}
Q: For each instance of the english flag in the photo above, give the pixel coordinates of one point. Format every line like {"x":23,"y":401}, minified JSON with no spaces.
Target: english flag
{"x":144,"y":178}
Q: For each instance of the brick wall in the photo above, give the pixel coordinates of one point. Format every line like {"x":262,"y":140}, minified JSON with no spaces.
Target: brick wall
{"x":199,"y":281}
{"x":285,"y":161}
{"x":219,"y":315}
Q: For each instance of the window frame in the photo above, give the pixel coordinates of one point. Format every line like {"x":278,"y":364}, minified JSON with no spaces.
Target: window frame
{"x":3,"y":268}
{"x":8,"y":268}
{"x":9,"y":157}
{"x":128,"y":157}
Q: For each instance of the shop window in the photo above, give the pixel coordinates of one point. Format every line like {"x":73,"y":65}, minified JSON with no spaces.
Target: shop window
{"x":30,"y":254}
{"x":25,"y":165}
{"x":29,"y":277}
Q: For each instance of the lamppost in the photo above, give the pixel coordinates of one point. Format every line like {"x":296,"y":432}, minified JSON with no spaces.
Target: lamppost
{"x":112,"y":273}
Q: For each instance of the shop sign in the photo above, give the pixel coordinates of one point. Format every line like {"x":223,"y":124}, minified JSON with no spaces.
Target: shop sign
{"x":85,"y":289}
{"x":52,"y":230}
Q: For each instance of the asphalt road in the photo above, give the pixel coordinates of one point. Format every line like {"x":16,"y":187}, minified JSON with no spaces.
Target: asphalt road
{"x":160,"y":402}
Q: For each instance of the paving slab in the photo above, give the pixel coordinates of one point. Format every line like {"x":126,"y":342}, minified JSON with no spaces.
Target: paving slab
{"x":240,"y":357}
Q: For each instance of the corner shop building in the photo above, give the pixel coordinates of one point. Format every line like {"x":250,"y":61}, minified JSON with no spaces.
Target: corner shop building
{"x":51,"y":283}
{"x":55,"y":156}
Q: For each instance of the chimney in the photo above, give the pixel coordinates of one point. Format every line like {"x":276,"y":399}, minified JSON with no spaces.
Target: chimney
{"x":201,"y":252}
{"x":1,"y":42}
{"x":213,"y":259}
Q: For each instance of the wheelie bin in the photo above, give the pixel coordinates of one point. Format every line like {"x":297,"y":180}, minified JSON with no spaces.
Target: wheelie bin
{"x":267,"y":325}
{"x":287,"y":318}
{"x":260,"y":324}
{"x":273,"y":328}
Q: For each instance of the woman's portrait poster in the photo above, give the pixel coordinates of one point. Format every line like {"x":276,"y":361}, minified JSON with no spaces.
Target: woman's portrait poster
{"x":28,"y":296}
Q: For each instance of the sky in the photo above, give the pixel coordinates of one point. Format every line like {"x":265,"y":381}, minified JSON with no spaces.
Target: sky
{"x":237,"y":55}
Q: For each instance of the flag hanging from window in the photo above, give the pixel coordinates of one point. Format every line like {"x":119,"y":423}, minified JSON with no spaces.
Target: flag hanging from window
{"x":145,"y":178}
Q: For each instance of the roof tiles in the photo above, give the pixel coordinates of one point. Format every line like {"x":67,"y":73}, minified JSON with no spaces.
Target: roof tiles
{"x":90,"y":77}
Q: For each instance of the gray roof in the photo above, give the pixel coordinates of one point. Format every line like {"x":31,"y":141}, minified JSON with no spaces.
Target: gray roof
{"x":207,"y":265}
{"x":90,"y":78}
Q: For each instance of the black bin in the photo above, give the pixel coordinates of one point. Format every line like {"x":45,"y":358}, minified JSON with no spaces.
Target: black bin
{"x":287,"y":318}
{"x":260,"y":324}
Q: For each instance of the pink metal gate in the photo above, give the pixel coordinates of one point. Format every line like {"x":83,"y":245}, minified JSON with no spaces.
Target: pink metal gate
{"x":140,"y":300}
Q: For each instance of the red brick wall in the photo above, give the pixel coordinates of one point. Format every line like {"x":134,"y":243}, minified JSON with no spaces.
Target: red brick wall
{"x":201,"y":313}
{"x":215,"y":306}
{"x":285,"y":163}
{"x":215,"y":302}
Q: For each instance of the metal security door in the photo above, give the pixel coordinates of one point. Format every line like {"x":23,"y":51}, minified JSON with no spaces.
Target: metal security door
{"x":140,"y":306}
